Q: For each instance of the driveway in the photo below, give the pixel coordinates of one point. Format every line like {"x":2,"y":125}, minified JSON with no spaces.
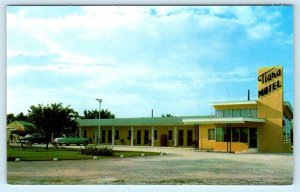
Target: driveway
{"x":179,"y":166}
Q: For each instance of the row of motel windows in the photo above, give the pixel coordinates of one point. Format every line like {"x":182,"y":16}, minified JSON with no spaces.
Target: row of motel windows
{"x":287,"y":130}
{"x":249,"y":112}
{"x":223,"y":135}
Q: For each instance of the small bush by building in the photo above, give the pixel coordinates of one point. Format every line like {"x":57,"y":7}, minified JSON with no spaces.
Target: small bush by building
{"x":97,"y":150}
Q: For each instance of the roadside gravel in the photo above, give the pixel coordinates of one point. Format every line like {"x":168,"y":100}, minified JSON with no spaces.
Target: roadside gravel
{"x":178,"y":166}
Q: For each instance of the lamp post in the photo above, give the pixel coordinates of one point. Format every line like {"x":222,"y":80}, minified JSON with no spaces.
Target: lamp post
{"x":98,"y":135}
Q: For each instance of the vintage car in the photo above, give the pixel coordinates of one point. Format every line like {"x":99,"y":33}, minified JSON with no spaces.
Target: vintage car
{"x":34,"y":138}
{"x":70,"y":139}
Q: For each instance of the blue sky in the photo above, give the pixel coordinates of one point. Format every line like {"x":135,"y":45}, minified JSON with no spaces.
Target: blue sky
{"x":172,"y":59}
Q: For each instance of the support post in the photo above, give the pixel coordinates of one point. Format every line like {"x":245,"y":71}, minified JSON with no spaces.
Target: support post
{"x":132,"y":135}
{"x":79,"y":131}
{"x":152,"y":136}
{"x":230,"y":136}
{"x":200,"y":139}
{"x":95,"y":135}
{"x":113,"y":136}
{"x":175,"y":137}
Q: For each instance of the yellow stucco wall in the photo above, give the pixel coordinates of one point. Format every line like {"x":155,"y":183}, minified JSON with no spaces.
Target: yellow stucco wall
{"x":206,"y":144}
{"x":235,"y":146}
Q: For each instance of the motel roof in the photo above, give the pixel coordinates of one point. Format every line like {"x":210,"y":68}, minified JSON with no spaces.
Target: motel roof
{"x":142,"y":121}
{"x":184,"y":120}
{"x":163,"y":121}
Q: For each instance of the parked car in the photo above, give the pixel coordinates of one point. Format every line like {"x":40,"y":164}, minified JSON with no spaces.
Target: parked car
{"x":34,"y":138}
{"x":72,"y":139}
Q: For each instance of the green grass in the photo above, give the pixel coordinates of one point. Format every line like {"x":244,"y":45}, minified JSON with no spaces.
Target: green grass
{"x":133,"y":153}
{"x":41,"y":154}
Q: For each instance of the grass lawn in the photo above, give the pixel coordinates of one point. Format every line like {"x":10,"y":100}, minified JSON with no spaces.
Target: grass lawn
{"x":41,"y":154}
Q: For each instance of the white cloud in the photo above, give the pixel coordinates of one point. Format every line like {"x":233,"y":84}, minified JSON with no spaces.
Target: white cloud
{"x":260,"y":31}
{"x":174,"y":53}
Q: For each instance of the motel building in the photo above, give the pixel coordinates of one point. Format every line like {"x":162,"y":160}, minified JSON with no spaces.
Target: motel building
{"x":262,"y":125}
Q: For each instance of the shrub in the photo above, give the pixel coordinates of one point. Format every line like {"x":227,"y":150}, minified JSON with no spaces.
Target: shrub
{"x":97,"y":150}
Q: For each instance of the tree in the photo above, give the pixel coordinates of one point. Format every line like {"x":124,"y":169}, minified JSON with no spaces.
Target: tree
{"x":10,"y":118}
{"x":167,"y":115}
{"x":53,"y":119}
{"x":20,"y":117}
{"x":94,"y":114}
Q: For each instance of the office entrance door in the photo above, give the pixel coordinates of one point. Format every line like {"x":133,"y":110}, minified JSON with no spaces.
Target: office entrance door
{"x":252,"y":138}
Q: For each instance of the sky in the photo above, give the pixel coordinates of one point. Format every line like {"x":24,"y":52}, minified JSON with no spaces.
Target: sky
{"x":172,"y":59}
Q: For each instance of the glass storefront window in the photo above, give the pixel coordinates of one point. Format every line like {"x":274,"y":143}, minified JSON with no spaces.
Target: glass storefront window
{"x":253,"y":113}
{"x":235,"y":134}
{"x":287,"y":130}
{"x":244,"y":135}
{"x":219,"y":113}
{"x":244,"y":112}
{"x":220,"y":134}
{"x":227,"y":113}
{"x":238,"y":135}
{"x":236,"y":112}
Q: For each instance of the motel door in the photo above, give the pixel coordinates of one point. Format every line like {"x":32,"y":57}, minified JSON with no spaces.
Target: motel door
{"x":146,"y":137}
{"x":252,"y":137}
{"x":138,"y":137}
{"x":103,"y":136}
{"x":109,"y":137}
{"x":190,"y":137}
{"x":180,"y":137}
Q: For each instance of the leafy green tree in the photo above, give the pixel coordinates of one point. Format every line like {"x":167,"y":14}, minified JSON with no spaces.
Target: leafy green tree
{"x":94,"y":114}
{"x":10,"y":118}
{"x":20,"y":117}
{"x":53,"y":119}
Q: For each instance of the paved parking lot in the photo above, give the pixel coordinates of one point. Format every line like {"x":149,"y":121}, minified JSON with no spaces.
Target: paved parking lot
{"x":179,"y":166}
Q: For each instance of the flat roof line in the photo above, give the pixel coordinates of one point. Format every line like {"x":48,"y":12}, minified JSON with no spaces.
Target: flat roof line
{"x":223,"y":120}
{"x":251,"y":102}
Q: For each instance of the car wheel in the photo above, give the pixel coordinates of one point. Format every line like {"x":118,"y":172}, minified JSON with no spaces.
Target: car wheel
{"x":67,"y":144}
{"x":86,"y":143}
{"x":60,"y":144}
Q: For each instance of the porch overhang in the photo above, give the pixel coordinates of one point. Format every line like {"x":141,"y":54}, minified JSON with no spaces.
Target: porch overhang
{"x":232,"y":120}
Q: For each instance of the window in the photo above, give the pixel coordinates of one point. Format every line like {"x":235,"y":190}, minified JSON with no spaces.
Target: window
{"x":227,"y":113}
{"x":170,"y":135}
{"x":253,"y":113}
{"x":129,"y":135}
{"x":211,"y":134}
{"x":117,"y":136}
{"x":220,"y":132}
{"x":244,"y":112}
{"x":219,"y":113}
{"x":244,"y":135}
{"x":236,"y":113}
{"x":287,"y":130}
{"x":155,"y":134}
{"x":235,"y":134}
